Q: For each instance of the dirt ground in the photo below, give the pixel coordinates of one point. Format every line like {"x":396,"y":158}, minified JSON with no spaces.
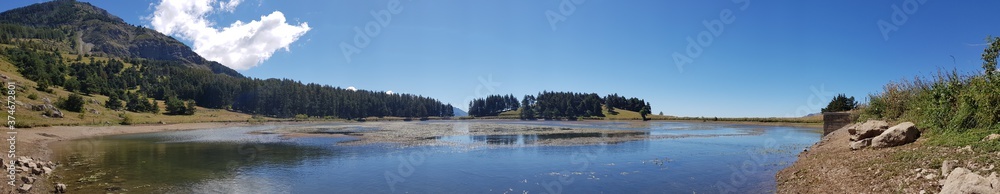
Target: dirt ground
{"x":830,"y":166}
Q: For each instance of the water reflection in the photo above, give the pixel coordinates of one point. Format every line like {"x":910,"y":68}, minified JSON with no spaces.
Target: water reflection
{"x":133,"y":163}
{"x":531,"y":139}
{"x":230,"y":161}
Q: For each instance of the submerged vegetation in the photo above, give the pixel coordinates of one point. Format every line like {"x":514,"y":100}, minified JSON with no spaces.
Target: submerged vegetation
{"x":957,"y":109}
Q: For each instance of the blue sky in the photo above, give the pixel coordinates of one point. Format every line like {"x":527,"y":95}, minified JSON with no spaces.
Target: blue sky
{"x":776,"y":58}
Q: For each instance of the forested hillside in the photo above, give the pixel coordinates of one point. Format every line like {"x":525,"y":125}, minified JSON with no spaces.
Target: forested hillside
{"x":84,"y":50}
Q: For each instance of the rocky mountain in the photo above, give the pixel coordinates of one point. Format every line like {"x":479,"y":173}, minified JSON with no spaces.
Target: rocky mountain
{"x":86,"y":29}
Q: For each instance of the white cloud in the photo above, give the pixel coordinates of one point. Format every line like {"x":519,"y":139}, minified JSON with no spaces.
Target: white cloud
{"x":240,"y":45}
{"x":352,"y":88}
{"x":388,"y":92}
{"x":230,"y":5}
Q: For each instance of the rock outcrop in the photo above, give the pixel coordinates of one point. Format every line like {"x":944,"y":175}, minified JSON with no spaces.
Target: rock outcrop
{"x":901,"y":134}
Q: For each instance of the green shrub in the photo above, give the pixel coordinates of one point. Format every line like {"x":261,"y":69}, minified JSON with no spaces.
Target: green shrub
{"x":956,"y":109}
{"x":126,"y":120}
{"x":72,"y":103}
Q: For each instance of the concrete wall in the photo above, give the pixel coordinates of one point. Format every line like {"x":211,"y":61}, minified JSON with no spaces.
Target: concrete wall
{"x":835,"y":120}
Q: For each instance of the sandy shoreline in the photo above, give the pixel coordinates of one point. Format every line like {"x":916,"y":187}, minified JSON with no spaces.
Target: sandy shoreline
{"x":34,"y":142}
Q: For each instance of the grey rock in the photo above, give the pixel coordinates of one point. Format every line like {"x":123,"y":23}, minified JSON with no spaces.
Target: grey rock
{"x":46,"y":170}
{"x":24,"y":188}
{"x":947,"y":166}
{"x":28,"y":180}
{"x":861,"y":144}
{"x":962,"y":180}
{"x":60,"y":188}
{"x":868,"y":129}
{"x":901,"y":134}
{"x":37,"y":171}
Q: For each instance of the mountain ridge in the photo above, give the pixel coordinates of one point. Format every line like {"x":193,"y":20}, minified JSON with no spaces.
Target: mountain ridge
{"x":94,"y":31}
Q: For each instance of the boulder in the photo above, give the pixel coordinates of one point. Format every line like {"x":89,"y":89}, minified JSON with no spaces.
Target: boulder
{"x":37,"y":171}
{"x":861,"y":144}
{"x":868,"y":129}
{"x":24,"y":188}
{"x":46,"y":170}
{"x":947,"y":166}
{"x":23,"y":161}
{"x":962,"y":180}
{"x":32,"y":165}
{"x":60,"y":188}
{"x":28,"y":180}
{"x":901,"y":134}
{"x":40,"y":107}
{"x":992,"y":137}
{"x":54,"y":113}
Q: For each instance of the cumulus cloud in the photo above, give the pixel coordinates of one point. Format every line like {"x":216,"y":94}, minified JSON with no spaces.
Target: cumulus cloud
{"x":241,"y":45}
{"x":229,"y":6}
{"x":388,"y":92}
{"x":352,"y":88}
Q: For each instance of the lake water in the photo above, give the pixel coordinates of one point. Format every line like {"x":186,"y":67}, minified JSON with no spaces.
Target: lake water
{"x":678,"y":157}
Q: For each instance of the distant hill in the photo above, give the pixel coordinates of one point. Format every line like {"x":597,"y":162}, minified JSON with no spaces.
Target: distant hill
{"x":89,"y":30}
{"x":459,"y":112}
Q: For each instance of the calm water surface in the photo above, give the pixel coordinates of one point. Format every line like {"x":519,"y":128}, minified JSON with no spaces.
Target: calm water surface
{"x":679,"y":158}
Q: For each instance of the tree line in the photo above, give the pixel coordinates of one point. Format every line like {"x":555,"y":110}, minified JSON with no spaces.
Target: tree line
{"x":557,"y":105}
{"x":133,"y":87}
{"x":493,"y":105}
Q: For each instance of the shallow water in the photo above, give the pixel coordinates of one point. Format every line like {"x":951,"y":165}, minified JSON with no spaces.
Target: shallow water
{"x":677,"y":158}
